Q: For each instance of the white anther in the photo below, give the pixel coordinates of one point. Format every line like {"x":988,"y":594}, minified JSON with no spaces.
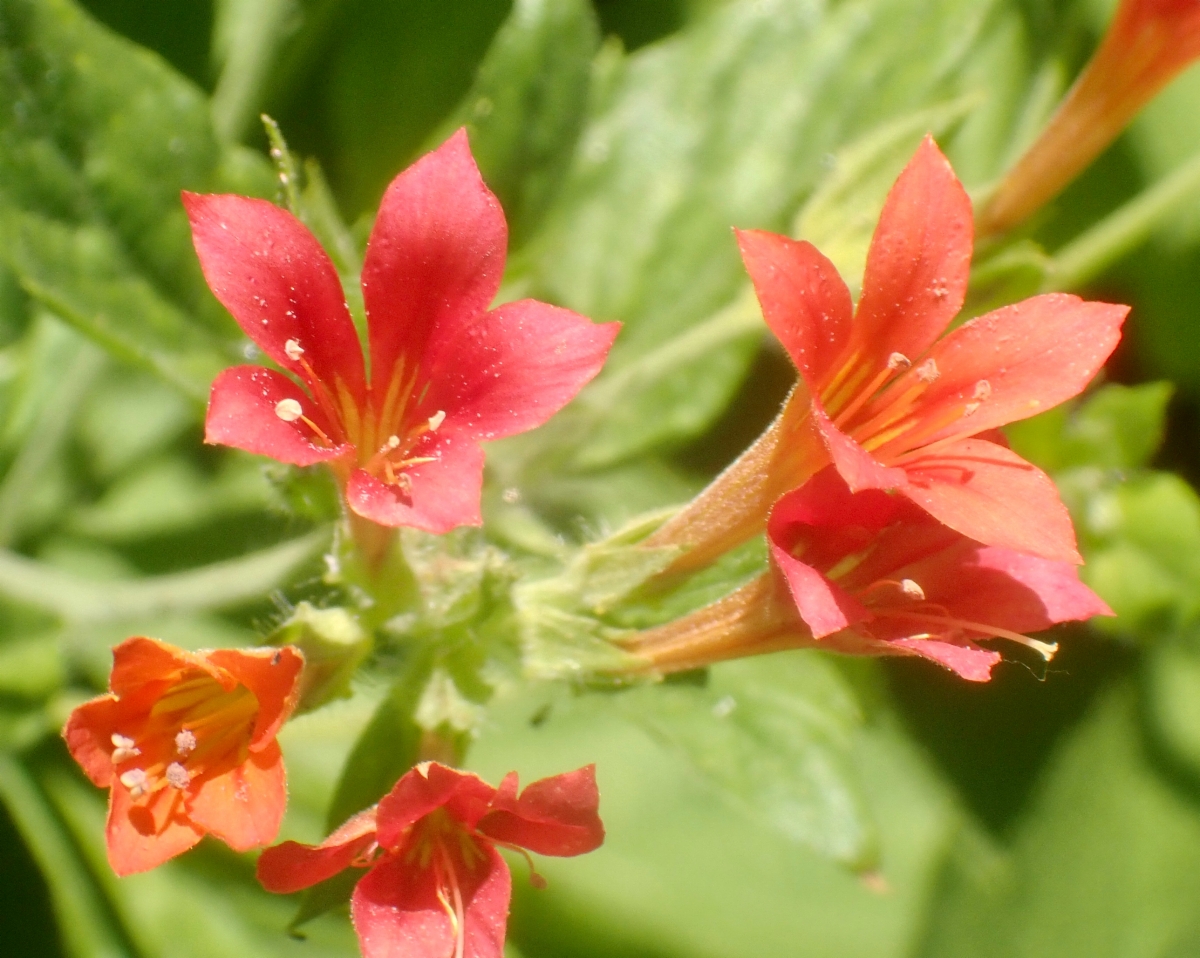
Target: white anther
{"x":177,"y":776}
{"x":983,"y":390}
{"x":928,"y":371}
{"x":912,"y":589}
{"x":135,"y":781}
{"x":185,"y":742}
{"x":293,"y":349}
{"x":436,"y":420}
{"x":971,"y":408}
{"x":898,"y":361}
{"x":288,"y":410}
{"x":393,"y":442}
{"x":124,"y":750}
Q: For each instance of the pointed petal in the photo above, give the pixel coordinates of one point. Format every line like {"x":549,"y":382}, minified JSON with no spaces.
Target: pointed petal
{"x":857,"y":467}
{"x":1019,"y":360}
{"x":968,"y":661}
{"x":553,"y":816}
{"x":513,"y":368}
{"x":270,"y":272}
{"x":140,"y":660}
{"x":445,"y":492}
{"x":803,"y":299}
{"x":88,"y":734}
{"x":1021,"y":593}
{"x":140,"y":837}
{"x":397,"y":914}
{"x":244,"y":806}
{"x":241,"y":413}
{"x":435,"y":257}
{"x":428,"y":787}
{"x":273,"y":675}
{"x":291,"y":866}
{"x":918,"y":263}
{"x":822,"y":604}
{"x":992,"y":495}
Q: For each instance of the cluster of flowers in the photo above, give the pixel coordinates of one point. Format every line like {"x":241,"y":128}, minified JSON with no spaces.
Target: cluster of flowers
{"x":898,"y":521}
{"x":186,"y":742}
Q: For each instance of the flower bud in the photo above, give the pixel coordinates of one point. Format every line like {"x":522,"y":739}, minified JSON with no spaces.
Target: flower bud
{"x":334,"y":645}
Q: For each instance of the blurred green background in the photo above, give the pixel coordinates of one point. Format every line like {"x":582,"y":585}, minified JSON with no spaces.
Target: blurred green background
{"x":798,"y":805}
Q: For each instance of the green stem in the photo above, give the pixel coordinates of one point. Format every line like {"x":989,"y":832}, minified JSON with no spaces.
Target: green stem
{"x":1090,"y":254}
{"x":219,"y":585}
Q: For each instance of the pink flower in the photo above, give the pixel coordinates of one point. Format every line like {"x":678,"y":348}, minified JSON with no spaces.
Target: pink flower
{"x":889,"y":399}
{"x":435,"y":885}
{"x":868,"y":573}
{"x":446,"y":372}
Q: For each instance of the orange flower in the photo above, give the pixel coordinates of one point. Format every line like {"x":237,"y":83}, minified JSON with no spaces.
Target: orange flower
{"x":186,"y":742}
{"x":1147,"y":44}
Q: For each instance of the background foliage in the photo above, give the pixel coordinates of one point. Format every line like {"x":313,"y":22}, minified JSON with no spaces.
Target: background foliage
{"x":794,"y":805}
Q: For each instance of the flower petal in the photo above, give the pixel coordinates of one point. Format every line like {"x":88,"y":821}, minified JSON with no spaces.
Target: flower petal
{"x":1019,"y":360}
{"x":244,"y":806}
{"x":823,"y":605}
{"x":139,"y":661}
{"x":142,"y":836}
{"x":513,"y":368}
{"x":270,"y":272}
{"x":291,"y":866}
{"x":918,"y":263}
{"x":992,"y":495}
{"x":968,"y":661}
{"x":1021,"y":592}
{"x":444,"y":494}
{"x":803,"y":299}
{"x":857,"y":467}
{"x":88,"y":734}
{"x":273,"y":675}
{"x":242,"y":414}
{"x":553,"y":816}
{"x":435,"y":257}
{"x":428,"y":787}
{"x":397,"y":914}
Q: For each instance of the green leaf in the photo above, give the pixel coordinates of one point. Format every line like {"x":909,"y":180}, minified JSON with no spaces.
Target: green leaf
{"x":1117,"y":427}
{"x":775,"y":736}
{"x":392,"y":74}
{"x":1144,"y":553}
{"x":840,"y":216}
{"x":100,"y":139}
{"x":525,"y":110}
{"x":1173,"y":699}
{"x":725,"y":123}
{"x":684,"y":871}
{"x":220,"y":585}
{"x":1105,"y":863}
{"x":87,"y":928}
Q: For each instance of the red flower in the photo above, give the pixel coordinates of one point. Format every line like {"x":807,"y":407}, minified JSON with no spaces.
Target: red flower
{"x":436,"y":885}
{"x":1148,"y":43}
{"x":867,"y":573}
{"x":186,"y":742}
{"x":445,"y":372}
{"x":891,"y":404}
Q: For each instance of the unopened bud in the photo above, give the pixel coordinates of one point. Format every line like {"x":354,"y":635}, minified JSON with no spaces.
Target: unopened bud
{"x":334,"y":645}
